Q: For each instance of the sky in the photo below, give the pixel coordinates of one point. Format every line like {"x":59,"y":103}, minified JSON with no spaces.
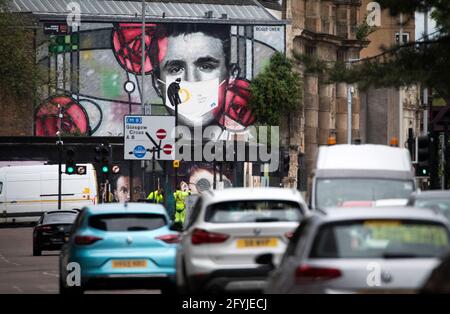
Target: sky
{"x":420,"y":25}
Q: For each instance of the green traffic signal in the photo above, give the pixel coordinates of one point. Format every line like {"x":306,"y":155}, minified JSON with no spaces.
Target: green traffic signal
{"x":70,"y":169}
{"x":424,"y":171}
{"x":105,"y":169}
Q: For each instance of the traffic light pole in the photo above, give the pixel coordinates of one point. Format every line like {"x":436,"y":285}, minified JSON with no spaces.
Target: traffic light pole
{"x":59,"y":144}
{"x":60,"y":152}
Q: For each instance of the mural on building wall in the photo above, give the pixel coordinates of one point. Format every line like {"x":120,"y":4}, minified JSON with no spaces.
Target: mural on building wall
{"x":98,"y":75}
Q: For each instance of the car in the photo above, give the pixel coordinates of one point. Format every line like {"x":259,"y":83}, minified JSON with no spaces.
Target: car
{"x":346,"y":174}
{"x":52,"y":229}
{"x":439,"y":281}
{"x":436,"y":200}
{"x":227,"y":229}
{"x":120,"y":245}
{"x":363,"y":250}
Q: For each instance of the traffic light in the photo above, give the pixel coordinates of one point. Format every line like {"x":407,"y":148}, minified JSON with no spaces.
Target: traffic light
{"x":423,"y":156}
{"x":63,"y":43}
{"x":71,"y":166}
{"x":102,"y":158}
{"x":70,"y":162}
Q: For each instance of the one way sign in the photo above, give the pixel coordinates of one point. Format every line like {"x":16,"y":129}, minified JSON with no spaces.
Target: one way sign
{"x":148,"y":137}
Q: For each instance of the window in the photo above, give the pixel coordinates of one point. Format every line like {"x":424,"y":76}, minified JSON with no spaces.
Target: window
{"x":384,"y":238}
{"x":339,"y":192}
{"x":405,"y":38}
{"x":253,"y":211}
{"x":59,"y":218}
{"x":195,"y":212}
{"x":127,"y":222}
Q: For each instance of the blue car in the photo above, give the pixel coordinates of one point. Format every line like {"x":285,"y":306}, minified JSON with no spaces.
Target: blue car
{"x":114,"y":246}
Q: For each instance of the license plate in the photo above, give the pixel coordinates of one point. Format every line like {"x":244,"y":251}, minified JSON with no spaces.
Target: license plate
{"x":129,"y":264}
{"x":257,"y":242}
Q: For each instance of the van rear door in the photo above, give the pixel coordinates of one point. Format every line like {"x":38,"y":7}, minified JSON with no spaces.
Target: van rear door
{"x":2,"y":200}
{"x":23,"y":201}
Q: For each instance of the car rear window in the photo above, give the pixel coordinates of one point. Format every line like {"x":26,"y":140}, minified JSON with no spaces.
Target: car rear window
{"x":127,"y":222}
{"x":63,"y":218}
{"x":381,"y":239}
{"x":253,"y":211}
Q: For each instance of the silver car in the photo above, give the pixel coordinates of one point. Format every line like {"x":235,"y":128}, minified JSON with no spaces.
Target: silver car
{"x":361,"y":250}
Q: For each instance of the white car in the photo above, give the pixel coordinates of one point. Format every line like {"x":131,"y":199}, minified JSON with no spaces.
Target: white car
{"x":227,"y":229}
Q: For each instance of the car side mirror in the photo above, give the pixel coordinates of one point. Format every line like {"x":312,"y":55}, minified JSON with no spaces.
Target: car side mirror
{"x":265,"y":260}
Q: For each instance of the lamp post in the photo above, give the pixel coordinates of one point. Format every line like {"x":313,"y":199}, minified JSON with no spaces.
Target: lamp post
{"x":59,"y":144}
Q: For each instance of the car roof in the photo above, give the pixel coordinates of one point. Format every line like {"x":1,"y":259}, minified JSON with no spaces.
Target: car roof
{"x":62,"y":211}
{"x":267,"y":193}
{"x":432,"y":194}
{"x":118,"y":208}
{"x":388,"y":212}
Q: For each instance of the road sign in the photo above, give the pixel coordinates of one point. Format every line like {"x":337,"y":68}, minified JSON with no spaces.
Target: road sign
{"x":148,"y":137}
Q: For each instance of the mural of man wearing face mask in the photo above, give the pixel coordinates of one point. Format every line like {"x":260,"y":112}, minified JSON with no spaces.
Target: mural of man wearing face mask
{"x":197,"y":58}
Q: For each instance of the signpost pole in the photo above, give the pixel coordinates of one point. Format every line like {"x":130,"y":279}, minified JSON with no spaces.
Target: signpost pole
{"x":60,"y":152}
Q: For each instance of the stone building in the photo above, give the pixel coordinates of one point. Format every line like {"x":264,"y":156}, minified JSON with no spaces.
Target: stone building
{"x":380,"y":108}
{"x":326,"y":30}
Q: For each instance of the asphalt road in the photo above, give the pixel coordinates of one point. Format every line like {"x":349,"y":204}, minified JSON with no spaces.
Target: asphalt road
{"x":21,"y":272}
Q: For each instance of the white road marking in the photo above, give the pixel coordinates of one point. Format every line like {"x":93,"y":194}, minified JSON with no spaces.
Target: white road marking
{"x":8,"y":262}
{"x":50,"y":274}
{"x":18,"y":289}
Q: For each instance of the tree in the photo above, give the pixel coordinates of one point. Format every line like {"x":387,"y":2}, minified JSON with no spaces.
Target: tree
{"x":19,"y":73}
{"x":276,"y":91}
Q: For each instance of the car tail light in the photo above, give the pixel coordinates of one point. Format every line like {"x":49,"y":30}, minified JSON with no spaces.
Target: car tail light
{"x":289,"y":234}
{"x":170,"y":238}
{"x":200,"y":236}
{"x":317,"y":273}
{"x":86,"y":240}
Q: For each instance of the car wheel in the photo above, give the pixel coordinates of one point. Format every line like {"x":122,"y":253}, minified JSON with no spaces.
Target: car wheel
{"x":36,"y":250}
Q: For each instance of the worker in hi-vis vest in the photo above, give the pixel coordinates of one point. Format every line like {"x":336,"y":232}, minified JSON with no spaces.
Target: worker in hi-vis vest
{"x":157,"y":196}
{"x":180,"y":196}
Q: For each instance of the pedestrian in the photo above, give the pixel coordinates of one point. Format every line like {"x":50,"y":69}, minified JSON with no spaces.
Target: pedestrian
{"x":180,"y":196}
{"x":157,"y":196}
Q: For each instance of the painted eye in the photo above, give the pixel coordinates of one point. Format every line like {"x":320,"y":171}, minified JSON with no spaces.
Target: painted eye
{"x":174,"y":70}
{"x":207,"y":67}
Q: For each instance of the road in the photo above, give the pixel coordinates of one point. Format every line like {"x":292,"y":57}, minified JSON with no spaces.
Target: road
{"x":21,"y":272}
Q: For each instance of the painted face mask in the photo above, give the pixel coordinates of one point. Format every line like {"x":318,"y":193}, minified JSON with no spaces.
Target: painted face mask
{"x":196,"y":99}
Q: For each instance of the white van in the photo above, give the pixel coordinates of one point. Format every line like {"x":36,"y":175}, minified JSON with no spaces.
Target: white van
{"x":346,"y":175}
{"x":28,"y":191}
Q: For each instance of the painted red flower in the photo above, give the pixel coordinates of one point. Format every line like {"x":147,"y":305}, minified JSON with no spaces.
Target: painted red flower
{"x":74,"y":121}
{"x":127,"y":46}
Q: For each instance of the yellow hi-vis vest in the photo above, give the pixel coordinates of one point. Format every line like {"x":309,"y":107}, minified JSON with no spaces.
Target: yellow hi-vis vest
{"x":157,"y":197}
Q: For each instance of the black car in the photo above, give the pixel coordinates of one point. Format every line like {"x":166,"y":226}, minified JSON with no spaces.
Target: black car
{"x":52,"y":229}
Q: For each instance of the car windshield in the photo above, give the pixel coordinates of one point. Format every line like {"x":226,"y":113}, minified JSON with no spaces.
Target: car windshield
{"x":63,"y":218}
{"x":381,"y":239}
{"x":341,"y":192}
{"x":253,"y":211}
{"x":127,"y":222}
{"x":442,"y":205}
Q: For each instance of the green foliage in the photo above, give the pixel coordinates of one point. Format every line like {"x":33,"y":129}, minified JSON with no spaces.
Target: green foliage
{"x":19,"y":73}
{"x":276,"y":91}
{"x":363,"y":30}
{"x":426,"y":63}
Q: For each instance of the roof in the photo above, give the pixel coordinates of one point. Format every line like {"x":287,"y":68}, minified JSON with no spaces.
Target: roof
{"x":117,"y":208}
{"x":269,"y":193}
{"x":367,"y":157}
{"x":388,"y":212}
{"x":37,"y":168}
{"x":432,"y":194}
{"x":186,"y":10}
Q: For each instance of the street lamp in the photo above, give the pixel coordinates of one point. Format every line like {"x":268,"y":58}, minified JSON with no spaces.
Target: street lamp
{"x":350,"y":92}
